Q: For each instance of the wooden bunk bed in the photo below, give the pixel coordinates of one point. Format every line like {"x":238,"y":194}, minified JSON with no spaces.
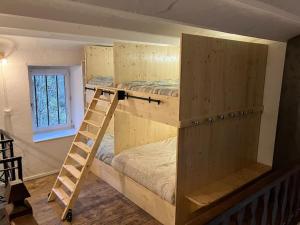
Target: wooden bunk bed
{"x":216,"y":119}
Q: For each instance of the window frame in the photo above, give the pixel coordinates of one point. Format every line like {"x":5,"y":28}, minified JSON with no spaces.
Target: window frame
{"x":44,"y":71}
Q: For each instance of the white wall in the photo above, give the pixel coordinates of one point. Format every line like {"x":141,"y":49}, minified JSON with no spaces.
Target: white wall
{"x":77,"y":101}
{"x":43,"y":157}
{"x":272,"y":90}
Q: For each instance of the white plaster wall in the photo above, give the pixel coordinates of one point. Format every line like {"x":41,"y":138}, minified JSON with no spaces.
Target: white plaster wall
{"x":43,"y":157}
{"x":77,"y":102}
{"x":273,"y":80}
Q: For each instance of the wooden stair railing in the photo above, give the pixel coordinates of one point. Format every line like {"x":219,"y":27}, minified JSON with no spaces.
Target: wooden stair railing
{"x":271,"y":200}
{"x":6,"y":152}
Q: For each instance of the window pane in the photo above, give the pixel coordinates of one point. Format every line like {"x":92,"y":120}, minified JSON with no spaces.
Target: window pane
{"x":62,"y":99}
{"x":41,"y":101}
{"x":52,"y":100}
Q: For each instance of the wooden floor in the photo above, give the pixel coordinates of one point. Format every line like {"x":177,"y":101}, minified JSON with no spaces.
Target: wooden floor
{"x":98,"y":203}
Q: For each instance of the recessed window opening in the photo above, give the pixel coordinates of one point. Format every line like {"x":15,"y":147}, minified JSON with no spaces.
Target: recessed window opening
{"x":50,"y":98}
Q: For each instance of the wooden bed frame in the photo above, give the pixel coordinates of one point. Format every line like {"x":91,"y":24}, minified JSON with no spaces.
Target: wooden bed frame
{"x":217,"y":119}
{"x":160,"y":209}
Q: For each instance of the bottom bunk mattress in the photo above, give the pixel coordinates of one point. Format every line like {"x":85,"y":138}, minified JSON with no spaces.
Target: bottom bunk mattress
{"x":105,"y":151}
{"x":152,"y":165}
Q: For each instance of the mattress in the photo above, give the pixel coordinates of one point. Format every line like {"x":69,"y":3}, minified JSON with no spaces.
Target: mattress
{"x":105,"y":151}
{"x":152,"y":165}
{"x":101,"y":81}
{"x":160,"y":87}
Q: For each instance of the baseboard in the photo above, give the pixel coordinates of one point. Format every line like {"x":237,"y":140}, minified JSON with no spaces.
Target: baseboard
{"x":40,"y":175}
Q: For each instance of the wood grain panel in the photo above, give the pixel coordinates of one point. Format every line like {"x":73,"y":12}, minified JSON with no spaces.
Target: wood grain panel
{"x":145,"y":62}
{"x":165,"y":112}
{"x":131,"y":131}
{"x":217,"y":76}
{"x":220,"y":75}
{"x":99,"y":62}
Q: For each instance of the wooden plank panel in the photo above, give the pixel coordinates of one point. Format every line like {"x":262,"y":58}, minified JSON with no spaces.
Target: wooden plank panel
{"x":216,"y":190}
{"x":217,"y":76}
{"x":209,"y":153}
{"x":220,"y":75}
{"x":99,"y":62}
{"x":145,"y":62}
{"x":166,"y":112}
{"x":131,"y":131}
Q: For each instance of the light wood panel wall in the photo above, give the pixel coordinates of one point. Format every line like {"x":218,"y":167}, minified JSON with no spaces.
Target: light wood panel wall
{"x":220,"y":75}
{"x":145,"y":62}
{"x":99,"y":61}
{"x":217,"y":76}
{"x":131,"y":131}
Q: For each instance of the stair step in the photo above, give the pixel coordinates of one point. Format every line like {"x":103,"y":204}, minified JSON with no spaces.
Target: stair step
{"x":72,"y":170}
{"x":82,"y":146}
{"x":93,"y":123}
{"x":62,"y":195}
{"x":88,"y":134}
{"x":98,"y":112}
{"x":78,"y":158}
{"x":66,"y":181}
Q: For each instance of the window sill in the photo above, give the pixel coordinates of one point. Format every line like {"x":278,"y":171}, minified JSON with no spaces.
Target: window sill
{"x":46,"y":136}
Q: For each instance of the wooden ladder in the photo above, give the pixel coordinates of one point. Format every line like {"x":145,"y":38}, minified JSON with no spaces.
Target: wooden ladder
{"x":83,"y":149}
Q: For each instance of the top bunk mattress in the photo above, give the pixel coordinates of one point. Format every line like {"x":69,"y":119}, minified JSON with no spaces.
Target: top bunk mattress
{"x":100,"y":81}
{"x":160,"y":87}
{"x":152,"y":165}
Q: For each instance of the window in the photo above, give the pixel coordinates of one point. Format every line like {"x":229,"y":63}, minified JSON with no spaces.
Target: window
{"x":50,"y":99}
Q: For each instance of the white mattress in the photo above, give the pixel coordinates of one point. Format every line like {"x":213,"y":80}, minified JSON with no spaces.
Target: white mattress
{"x":160,"y":87}
{"x":100,"y":81}
{"x":105,"y":151}
{"x":152,"y":165}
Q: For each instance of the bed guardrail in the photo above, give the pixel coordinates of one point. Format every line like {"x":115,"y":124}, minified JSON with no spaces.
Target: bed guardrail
{"x":127,"y":96}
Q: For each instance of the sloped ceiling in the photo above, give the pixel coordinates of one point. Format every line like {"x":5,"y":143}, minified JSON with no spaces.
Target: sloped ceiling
{"x":275,"y":20}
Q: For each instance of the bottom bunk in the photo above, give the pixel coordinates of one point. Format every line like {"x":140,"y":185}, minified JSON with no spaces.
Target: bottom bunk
{"x":152,"y":203}
{"x":146,"y":175}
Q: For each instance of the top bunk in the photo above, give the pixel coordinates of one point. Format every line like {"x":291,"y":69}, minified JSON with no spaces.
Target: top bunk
{"x":183,"y":85}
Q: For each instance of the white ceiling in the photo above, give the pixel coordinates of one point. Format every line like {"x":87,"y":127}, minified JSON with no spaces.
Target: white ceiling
{"x":270,"y":19}
{"x":157,"y":21}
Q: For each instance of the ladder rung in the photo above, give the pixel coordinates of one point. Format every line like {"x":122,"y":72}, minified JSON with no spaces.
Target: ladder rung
{"x":78,"y":158}
{"x":82,"y":146}
{"x":106,"y":89}
{"x":72,"y":170}
{"x":103,"y":99}
{"x":67,"y":183}
{"x":62,"y":195}
{"x":97,"y":112}
{"x":93,"y":123}
{"x":88,"y":134}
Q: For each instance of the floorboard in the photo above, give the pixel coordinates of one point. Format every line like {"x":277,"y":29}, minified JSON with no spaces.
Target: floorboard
{"x":98,"y":203}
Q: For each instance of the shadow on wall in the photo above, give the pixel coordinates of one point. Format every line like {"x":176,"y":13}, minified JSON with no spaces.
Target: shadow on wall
{"x":287,"y":146}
